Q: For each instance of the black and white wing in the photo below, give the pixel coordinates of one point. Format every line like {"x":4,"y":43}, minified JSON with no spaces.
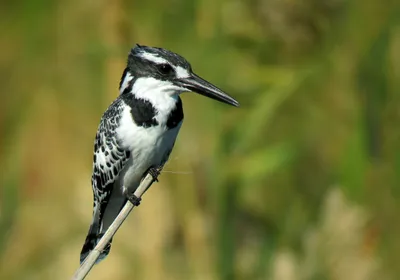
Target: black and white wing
{"x":108,"y":161}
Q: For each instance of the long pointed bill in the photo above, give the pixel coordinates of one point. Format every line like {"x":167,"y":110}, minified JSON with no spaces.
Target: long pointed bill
{"x":198,"y":85}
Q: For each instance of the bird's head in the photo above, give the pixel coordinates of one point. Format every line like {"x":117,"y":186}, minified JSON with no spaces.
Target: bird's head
{"x":162,"y":73}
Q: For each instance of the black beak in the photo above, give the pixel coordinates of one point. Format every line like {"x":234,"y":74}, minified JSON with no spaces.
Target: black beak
{"x":196,"y":84}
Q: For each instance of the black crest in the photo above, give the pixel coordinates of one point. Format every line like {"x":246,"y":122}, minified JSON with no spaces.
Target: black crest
{"x":140,"y":63}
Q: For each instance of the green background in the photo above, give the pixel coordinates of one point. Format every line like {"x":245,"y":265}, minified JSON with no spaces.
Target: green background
{"x":301,"y":182}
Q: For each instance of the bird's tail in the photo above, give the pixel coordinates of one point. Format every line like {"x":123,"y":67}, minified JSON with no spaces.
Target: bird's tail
{"x":93,"y":237}
{"x":91,"y":242}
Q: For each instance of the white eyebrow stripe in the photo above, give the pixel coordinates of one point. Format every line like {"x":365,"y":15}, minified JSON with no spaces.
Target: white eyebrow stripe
{"x":181,"y":72}
{"x":128,"y":77}
{"x":154,"y":58}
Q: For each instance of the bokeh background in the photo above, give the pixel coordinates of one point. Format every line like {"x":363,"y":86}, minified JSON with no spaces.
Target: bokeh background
{"x":301,"y":182}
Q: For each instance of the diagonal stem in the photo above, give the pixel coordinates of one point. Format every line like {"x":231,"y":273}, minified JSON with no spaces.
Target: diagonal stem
{"x":91,"y":259}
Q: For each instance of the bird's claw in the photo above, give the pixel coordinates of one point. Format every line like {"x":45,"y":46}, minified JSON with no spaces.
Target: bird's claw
{"x":155,"y":172}
{"x":134,"y":199}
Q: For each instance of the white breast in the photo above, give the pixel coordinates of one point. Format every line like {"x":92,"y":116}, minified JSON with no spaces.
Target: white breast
{"x":148,"y":147}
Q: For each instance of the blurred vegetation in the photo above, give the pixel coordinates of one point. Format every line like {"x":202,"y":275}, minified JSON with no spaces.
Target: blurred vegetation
{"x":301,"y":182}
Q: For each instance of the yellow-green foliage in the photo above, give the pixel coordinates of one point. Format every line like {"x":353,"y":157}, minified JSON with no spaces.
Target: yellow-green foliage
{"x":301,"y":182}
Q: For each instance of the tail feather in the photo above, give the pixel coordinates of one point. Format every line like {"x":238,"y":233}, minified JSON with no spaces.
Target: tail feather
{"x":93,"y":237}
{"x":103,"y":216}
{"x":91,"y":242}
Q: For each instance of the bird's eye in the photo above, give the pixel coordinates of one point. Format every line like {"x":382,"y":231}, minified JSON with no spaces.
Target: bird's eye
{"x":165,"y":68}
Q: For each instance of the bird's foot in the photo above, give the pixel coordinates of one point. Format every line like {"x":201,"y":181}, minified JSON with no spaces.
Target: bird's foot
{"x":134,"y":199}
{"x":155,"y":172}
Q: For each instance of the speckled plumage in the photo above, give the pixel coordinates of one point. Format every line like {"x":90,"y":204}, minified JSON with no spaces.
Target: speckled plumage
{"x":112,"y":157}
{"x":134,"y":135}
{"x":138,"y":131}
{"x":108,"y":160}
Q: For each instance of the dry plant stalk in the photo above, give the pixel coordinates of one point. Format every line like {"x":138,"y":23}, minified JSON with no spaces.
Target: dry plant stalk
{"x":91,"y":259}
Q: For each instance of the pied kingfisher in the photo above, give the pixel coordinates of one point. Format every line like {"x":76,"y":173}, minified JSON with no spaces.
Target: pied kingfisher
{"x":138,"y":131}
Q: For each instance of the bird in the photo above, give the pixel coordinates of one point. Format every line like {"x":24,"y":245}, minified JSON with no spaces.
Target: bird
{"x":138,"y":130}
